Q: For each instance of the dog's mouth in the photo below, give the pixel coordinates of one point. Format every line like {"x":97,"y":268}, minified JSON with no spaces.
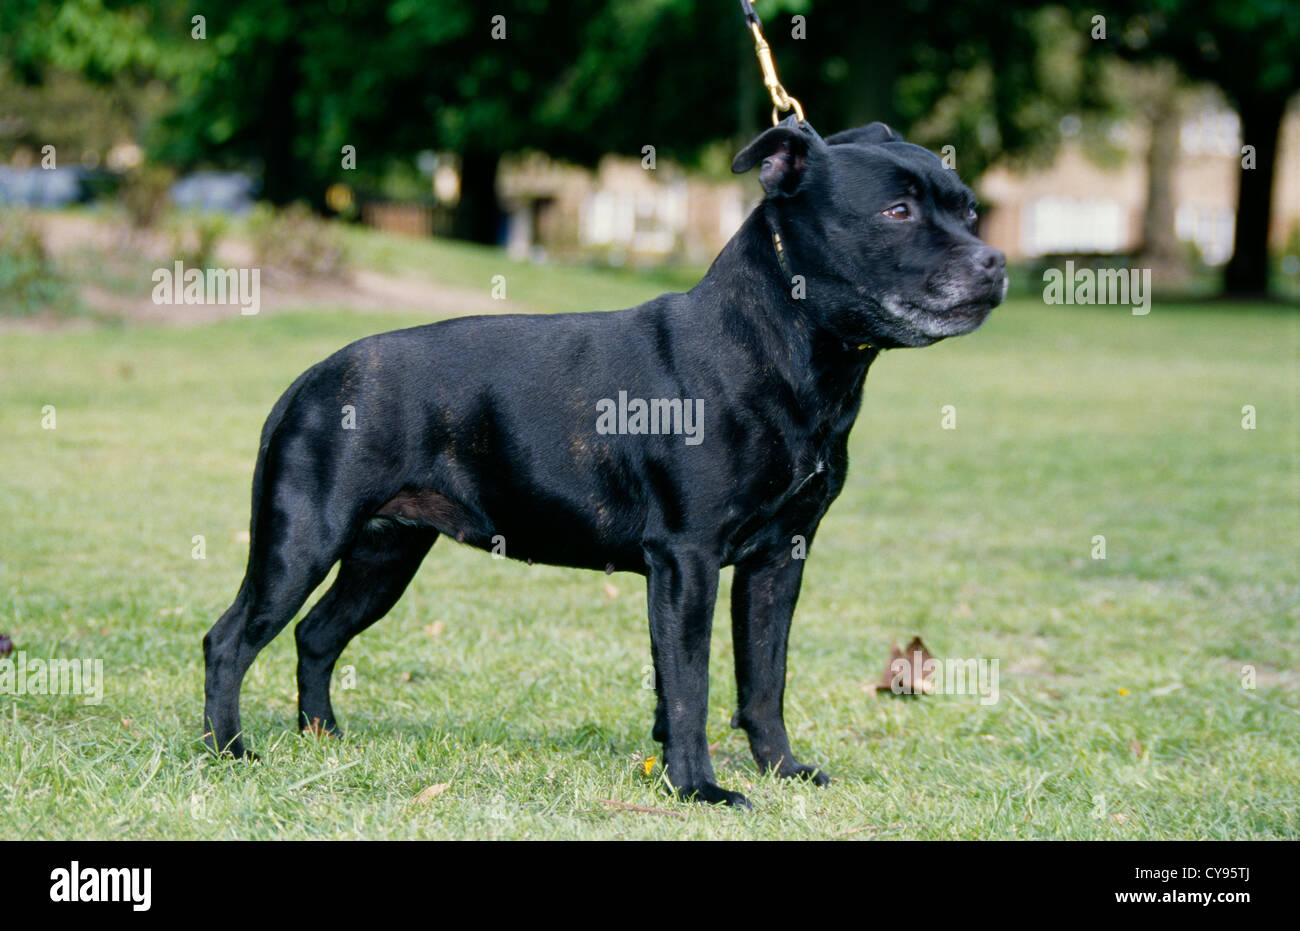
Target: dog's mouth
{"x":937,"y":319}
{"x":969,"y":310}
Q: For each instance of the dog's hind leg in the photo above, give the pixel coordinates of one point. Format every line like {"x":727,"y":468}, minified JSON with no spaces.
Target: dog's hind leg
{"x":281,"y":574}
{"x":372,"y":576}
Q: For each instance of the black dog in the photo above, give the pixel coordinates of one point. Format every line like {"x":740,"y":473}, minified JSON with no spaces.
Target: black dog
{"x":695,"y":431}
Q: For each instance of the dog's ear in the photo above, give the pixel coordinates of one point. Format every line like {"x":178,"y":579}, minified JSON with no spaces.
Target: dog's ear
{"x":871,"y":134}
{"x":784,"y":151}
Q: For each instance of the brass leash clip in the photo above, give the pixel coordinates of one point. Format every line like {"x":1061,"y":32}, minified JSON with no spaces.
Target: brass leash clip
{"x":781,"y":100}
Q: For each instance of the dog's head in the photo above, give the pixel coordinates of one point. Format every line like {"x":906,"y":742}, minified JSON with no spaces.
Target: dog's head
{"x":882,"y":232}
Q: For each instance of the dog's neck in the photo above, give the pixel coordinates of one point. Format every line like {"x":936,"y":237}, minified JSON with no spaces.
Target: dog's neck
{"x":758,"y":271}
{"x":768,"y":316}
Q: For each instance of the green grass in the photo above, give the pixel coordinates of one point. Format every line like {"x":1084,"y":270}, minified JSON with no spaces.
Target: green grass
{"x":1121,"y":712}
{"x":556,"y":288}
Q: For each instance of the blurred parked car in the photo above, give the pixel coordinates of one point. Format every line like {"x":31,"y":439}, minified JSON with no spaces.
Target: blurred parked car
{"x":222,"y":191}
{"x":48,"y":188}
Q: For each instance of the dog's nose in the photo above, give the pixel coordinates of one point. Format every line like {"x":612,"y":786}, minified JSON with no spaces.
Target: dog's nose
{"x":989,"y":261}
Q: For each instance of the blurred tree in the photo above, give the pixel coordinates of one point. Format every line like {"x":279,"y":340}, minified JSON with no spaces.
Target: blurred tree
{"x":280,"y":89}
{"x":83,"y":76}
{"x":289,"y":85}
{"x":83,"y":121}
{"x":1249,"y":49}
{"x":101,"y":39}
{"x":1155,"y":93}
{"x":991,"y":79}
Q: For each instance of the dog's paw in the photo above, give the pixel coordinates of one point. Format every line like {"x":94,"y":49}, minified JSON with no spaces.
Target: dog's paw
{"x":813,"y":774}
{"x":710,"y":794}
{"x":795,"y":770}
{"x":236,"y":751}
{"x":231,"y":750}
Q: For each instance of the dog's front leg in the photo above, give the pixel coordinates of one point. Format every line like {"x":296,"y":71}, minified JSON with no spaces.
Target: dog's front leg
{"x":763,"y":595}
{"x":683,"y":586}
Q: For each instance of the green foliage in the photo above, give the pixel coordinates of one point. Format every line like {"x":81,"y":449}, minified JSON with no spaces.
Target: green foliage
{"x":102,"y":39}
{"x":145,"y":194}
{"x":68,"y":112}
{"x":296,"y":242}
{"x":30,"y":282}
{"x":1245,"y":48}
{"x":1251,"y":52}
{"x":196,"y":236}
{"x":995,"y":80}
{"x":284,"y":87}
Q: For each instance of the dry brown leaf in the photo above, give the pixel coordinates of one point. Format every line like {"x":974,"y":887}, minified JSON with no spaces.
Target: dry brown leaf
{"x":428,"y":794}
{"x":886,"y":683}
{"x":908,"y":677}
{"x":611,"y":592}
{"x":435,"y":629}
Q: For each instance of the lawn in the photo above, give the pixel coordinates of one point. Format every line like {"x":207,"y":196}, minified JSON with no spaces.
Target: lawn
{"x":1150,"y":694}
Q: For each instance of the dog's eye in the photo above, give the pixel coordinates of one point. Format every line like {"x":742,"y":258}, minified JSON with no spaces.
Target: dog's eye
{"x":971,"y":215}
{"x":898,"y":212}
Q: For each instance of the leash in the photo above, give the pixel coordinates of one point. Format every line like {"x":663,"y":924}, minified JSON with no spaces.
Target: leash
{"x":781,"y":100}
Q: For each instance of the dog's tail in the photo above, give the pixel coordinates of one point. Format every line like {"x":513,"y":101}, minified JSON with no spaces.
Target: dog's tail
{"x":266,"y":454}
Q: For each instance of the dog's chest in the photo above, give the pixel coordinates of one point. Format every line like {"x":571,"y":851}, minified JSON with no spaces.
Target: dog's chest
{"x":811,"y":473}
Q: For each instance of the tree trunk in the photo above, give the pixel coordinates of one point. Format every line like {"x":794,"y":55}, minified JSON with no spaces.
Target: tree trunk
{"x":284,"y":179}
{"x":873,"y":55}
{"x":478,"y":213}
{"x":1160,"y":249}
{"x":1247,"y":272}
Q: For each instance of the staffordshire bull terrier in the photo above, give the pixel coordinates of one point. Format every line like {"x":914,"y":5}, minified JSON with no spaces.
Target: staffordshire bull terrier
{"x":693,"y":432}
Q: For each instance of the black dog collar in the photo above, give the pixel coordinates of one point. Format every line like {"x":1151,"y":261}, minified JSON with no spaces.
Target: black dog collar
{"x":784,"y":262}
